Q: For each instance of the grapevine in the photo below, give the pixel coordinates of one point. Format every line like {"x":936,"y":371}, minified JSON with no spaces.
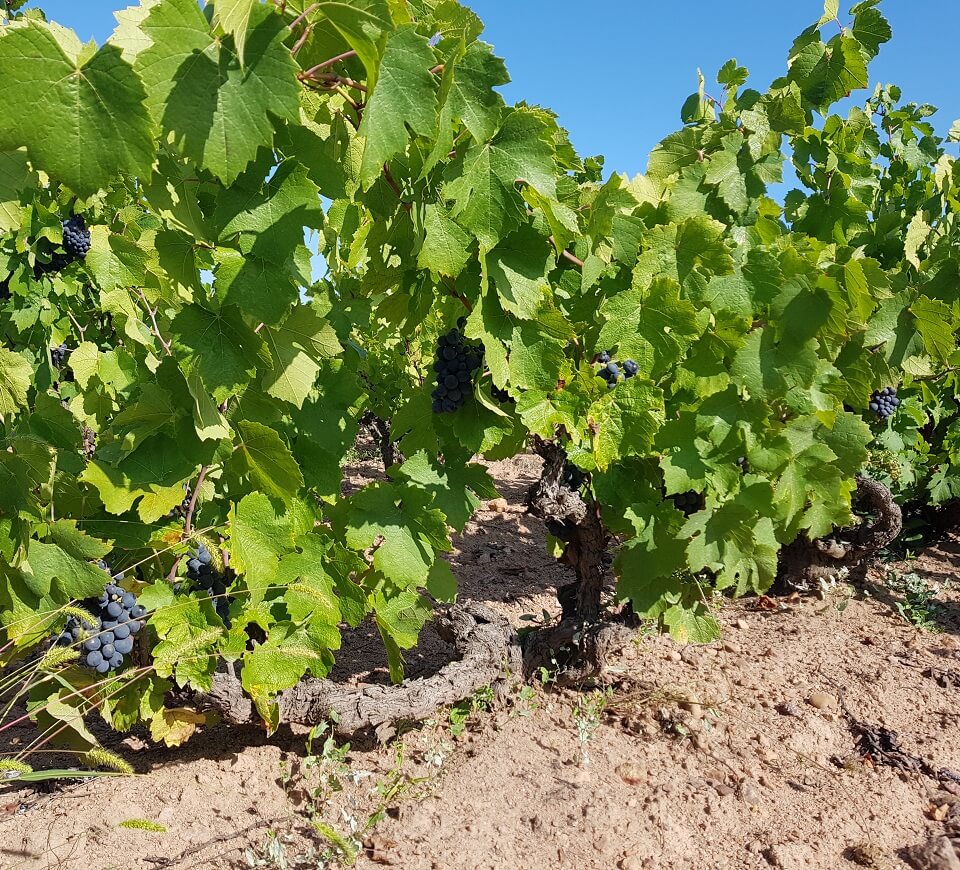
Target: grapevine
{"x":179,"y":390}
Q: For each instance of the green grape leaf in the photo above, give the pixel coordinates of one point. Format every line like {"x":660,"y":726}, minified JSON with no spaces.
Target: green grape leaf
{"x":233,"y":16}
{"x":405,"y":96}
{"x":398,"y":522}
{"x":472,"y":98}
{"x":262,"y":456}
{"x":442,"y":582}
{"x":297,"y":348}
{"x":50,"y":569}
{"x":654,"y":326}
{"x":484,"y":185}
{"x":219,"y":348}
{"x":218,"y":112}
{"x":457,"y":487}
{"x":16,"y":376}
{"x":446,"y":248}
{"x":15,"y":175}
{"x":260,"y":532}
{"x":309,"y":589}
{"x":63,"y":102}
{"x":400,"y":619}
{"x":283,"y":659}
{"x":75,"y":543}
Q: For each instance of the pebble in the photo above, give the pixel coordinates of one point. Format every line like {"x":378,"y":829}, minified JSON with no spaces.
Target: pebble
{"x":750,"y":793}
{"x":674,"y":656}
{"x":730,"y":647}
{"x":822,"y":701}
{"x":631,"y":862}
{"x":631,"y":772}
{"x":742,"y":624}
{"x":692,"y":707}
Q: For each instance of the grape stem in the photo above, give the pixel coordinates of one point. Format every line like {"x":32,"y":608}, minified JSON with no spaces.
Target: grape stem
{"x":306,"y":13}
{"x":573,"y":258}
{"x":388,"y":175}
{"x":188,"y":521}
{"x":310,"y":73}
{"x":156,"y":329}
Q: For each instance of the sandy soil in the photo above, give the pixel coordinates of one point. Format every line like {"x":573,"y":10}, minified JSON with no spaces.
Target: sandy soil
{"x":733,"y":755}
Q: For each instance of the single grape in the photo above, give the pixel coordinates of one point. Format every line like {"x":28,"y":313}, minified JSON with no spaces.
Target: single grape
{"x":114,"y":609}
{"x":94,"y":658}
{"x":124,"y":645}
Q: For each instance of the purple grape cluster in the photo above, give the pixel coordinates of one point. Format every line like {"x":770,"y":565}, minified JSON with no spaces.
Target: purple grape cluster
{"x":455,"y":364}
{"x":105,"y":643}
{"x":76,"y":237}
{"x":204,"y":575}
{"x":76,"y":246}
{"x":610,"y":371}
{"x":59,"y":355}
{"x":884,"y":402}
{"x":688,"y":502}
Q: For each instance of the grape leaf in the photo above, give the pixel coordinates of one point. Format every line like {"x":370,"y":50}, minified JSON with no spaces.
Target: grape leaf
{"x":405,"y":95}
{"x":218,"y":112}
{"x":16,"y":376}
{"x":63,"y":103}
{"x":483,"y":185}
{"x":261,"y":455}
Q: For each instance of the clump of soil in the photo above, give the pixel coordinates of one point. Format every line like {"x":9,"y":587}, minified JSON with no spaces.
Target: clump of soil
{"x":739,"y":754}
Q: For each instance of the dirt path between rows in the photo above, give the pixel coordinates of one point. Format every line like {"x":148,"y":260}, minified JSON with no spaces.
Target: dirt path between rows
{"x":732,"y":755}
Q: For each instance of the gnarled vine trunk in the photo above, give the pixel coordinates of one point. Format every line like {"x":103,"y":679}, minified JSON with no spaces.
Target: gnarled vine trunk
{"x":379,"y":430}
{"x":806,"y":564}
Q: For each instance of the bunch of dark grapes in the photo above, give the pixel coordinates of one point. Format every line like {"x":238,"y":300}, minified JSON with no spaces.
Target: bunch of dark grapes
{"x":76,"y":246}
{"x":688,"y":502}
{"x":76,"y":237}
{"x":104,"y":643}
{"x":610,"y":371}
{"x":502,"y":396}
{"x":884,"y":402}
{"x":60,"y":355}
{"x":455,"y":364}
{"x":203,"y":572}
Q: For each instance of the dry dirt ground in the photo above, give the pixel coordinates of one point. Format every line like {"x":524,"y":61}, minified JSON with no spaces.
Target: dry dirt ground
{"x":733,"y":755}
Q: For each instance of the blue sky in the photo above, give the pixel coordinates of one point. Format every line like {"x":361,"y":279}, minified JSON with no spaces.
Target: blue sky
{"x":617,"y":71}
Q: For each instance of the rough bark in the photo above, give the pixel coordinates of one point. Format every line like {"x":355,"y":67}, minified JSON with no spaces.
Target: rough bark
{"x":805,"y":564}
{"x":489,"y":654}
{"x":380,"y":432}
{"x":577,"y":522}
